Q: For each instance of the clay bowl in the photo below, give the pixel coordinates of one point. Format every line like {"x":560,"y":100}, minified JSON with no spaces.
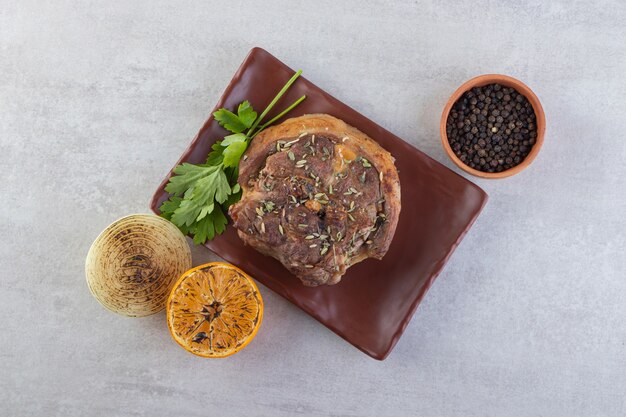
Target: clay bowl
{"x":506,"y":81}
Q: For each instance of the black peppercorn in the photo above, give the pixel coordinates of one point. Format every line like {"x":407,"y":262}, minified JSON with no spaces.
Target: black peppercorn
{"x":492,"y":128}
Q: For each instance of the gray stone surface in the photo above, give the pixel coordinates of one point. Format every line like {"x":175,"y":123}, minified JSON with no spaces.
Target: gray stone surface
{"x":99,"y":99}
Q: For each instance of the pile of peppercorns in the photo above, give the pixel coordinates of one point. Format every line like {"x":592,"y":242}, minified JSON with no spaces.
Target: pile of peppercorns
{"x":492,"y":128}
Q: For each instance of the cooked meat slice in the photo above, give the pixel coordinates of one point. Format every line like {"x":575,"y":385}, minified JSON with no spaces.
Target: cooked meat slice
{"x":319,"y":196}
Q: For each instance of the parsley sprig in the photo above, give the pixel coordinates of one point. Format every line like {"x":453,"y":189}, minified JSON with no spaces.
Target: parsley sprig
{"x":201,"y":194}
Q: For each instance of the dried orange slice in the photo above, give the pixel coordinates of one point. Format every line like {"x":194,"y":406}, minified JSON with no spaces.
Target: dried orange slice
{"x":214,"y":310}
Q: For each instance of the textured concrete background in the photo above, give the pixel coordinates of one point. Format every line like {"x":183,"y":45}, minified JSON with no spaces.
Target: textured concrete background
{"x":99,"y":99}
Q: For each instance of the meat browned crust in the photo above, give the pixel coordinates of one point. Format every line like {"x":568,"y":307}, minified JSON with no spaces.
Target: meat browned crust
{"x":319,"y":196}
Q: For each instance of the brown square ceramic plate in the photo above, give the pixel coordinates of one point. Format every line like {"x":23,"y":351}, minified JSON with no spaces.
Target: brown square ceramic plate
{"x":373,"y":303}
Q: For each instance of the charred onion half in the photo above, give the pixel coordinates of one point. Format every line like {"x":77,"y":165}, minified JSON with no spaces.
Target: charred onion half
{"x":132,"y":266}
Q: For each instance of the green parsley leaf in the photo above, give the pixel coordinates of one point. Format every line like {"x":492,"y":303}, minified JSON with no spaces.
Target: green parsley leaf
{"x":215,"y":157}
{"x":186,"y":176}
{"x":169,"y":206}
{"x":186,"y":214}
{"x":246,"y":113}
{"x":209,"y":226}
{"x":229,"y":121}
{"x":205,"y":210}
{"x":233,"y":153}
{"x":212,"y":187}
{"x":206,"y":186}
{"x":236,"y":137}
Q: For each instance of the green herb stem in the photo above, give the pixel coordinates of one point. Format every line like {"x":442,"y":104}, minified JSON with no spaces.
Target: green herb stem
{"x":281,"y":114}
{"x":274,"y":101}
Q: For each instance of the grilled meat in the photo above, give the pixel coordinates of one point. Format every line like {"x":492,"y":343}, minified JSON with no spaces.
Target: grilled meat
{"x":319,"y":196}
